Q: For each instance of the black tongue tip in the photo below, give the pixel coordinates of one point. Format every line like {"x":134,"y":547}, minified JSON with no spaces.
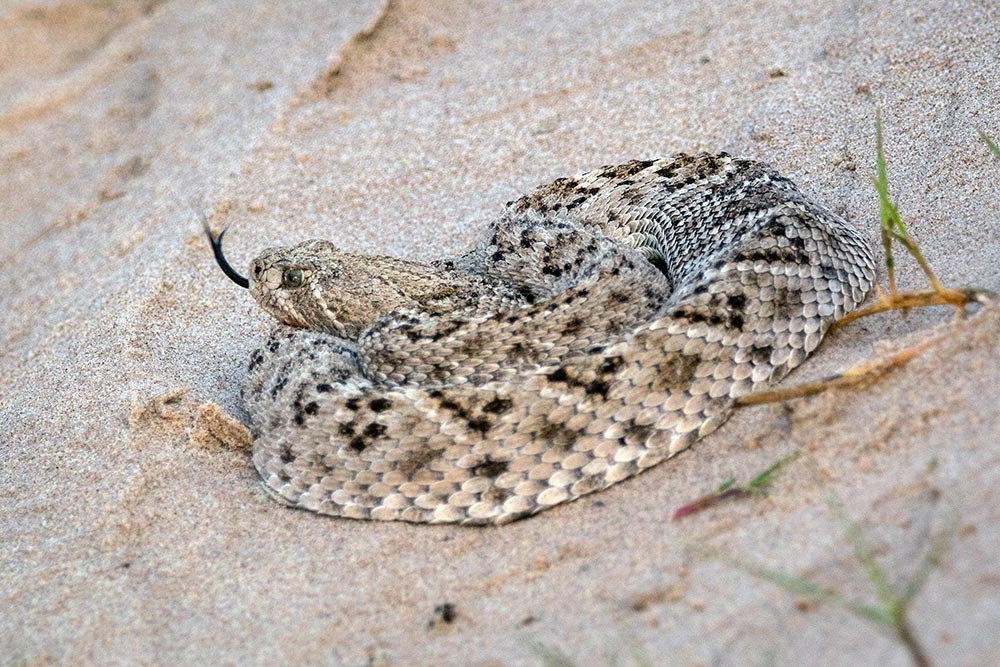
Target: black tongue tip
{"x":220,"y":258}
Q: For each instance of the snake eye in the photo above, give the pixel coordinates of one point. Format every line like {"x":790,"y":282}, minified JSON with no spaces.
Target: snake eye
{"x":292,"y":278}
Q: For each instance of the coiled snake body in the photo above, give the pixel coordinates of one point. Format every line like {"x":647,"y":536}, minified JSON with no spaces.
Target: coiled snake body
{"x":601,"y":325}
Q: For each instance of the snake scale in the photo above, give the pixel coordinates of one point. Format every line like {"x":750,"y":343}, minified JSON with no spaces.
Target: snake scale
{"x":602,"y":324}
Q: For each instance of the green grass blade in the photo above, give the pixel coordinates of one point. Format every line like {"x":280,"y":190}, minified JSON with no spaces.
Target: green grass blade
{"x":725,"y":486}
{"x":919,"y":578}
{"x":881,"y":176}
{"x":855,"y":537}
{"x":551,"y":656}
{"x":891,"y":221}
{"x":932,"y":558}
{"x":802,"y":587}
{"x":989,"y":142}
{"x":764,"y":479}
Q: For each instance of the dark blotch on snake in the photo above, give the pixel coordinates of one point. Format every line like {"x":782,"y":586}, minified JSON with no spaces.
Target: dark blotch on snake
{"x":490,"y":468}
{"x":498,"y":406}
{"x":380,"y":404}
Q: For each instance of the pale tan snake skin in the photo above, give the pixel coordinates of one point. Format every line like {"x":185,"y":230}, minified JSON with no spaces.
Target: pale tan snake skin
{"x":602,"y":324}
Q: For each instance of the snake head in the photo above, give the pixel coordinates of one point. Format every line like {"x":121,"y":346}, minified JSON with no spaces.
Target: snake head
{"x":283,"y":280}
{"x":310,"y":285}
{"x":317,"y":286}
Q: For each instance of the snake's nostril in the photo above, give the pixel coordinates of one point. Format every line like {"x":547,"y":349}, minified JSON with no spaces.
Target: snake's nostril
{"x":256,"y":269}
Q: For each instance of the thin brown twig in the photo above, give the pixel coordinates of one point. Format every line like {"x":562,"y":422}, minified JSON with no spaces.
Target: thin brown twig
{"x":856,"y":374}
{"x":940,"y":296}
{"x":871,"y":369}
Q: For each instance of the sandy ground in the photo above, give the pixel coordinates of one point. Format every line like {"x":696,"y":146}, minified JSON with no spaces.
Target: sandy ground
{"x":401,"y":128}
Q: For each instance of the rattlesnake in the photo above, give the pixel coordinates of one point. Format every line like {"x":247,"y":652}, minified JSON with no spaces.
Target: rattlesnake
{"x":602,"y":324}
